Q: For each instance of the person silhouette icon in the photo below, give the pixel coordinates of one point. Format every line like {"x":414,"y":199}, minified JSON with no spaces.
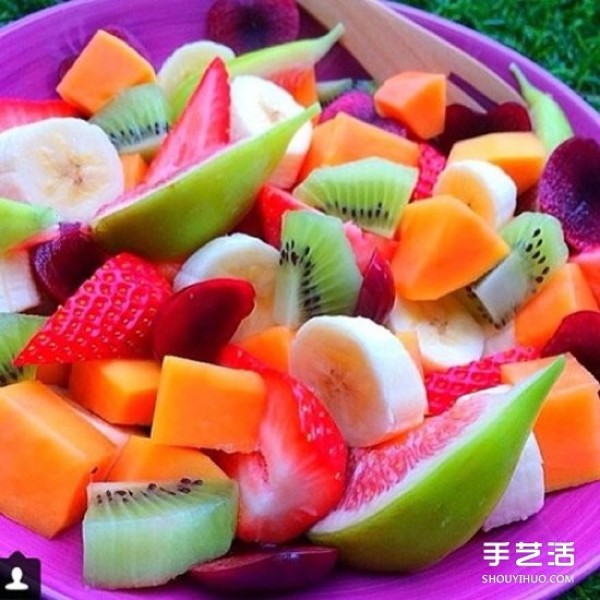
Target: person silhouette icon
{"x":16,"y":584}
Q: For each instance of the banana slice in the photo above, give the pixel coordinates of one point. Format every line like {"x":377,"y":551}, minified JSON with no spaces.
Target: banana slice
{"x":18,"y":291}
{"x":240,"y":256}
{"x":65,"y":163}
{"x":362,"y":373}
{"x":189,"y":59}
{"x":256,"y":105}
{"x":448,"y":335}
{"x":482,"y":186}
{"x":524,"y":495}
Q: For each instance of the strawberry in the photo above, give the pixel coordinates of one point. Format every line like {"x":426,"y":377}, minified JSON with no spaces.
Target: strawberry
{"x":109,"y":316}
{"x":445,"y":387}
{"x":298,"y":473}
{"x":272,"y":203}
{"x":16,"y":111}
{"x":431,"y":163}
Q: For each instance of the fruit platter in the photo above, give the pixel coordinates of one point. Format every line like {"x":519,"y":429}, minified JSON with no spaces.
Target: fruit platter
{"x":271,"y":323}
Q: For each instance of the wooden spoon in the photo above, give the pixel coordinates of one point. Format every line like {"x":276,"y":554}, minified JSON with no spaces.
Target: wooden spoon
{"x":385,"y":42}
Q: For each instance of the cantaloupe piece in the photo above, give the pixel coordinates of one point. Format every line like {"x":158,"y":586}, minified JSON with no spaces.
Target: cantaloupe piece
{"x":122,"y":391}
{"x":442,"y":246}
{"x":410,"y":340}
{"x":568,"y":427}
{"x":344,"y":139}
{"x":300,"y":83}
{"x":106,"y":66}
{"x":143,"y":460}
{"x":53,"y":374}
{"x":415,"y":98}
{"x":589,"y":263}
{"x":203,"y":405}
{"x":134,"y":169}
{"x":50,"y":455}
{"x":565,"y":293}
{"x":272,"y":346}
{"x":519,"y":153}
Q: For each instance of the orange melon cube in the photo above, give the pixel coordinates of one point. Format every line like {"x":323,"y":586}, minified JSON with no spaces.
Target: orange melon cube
{"x":415,"y":98}
{"x":203,"y":405}
{"x":52,"y":454}
{"x":346,"y":139}
{"x":520,"y":153}
{"x":121,"y":391}
{"x":143,"y":460}
{"x":54,"y":374}
{"x":272,"y":346}
{"x":565,"y":293}
{"x":442,"y":246}
{"x":134,"y":169}
{"x":106,"y":66}
{"x":568,"y":426}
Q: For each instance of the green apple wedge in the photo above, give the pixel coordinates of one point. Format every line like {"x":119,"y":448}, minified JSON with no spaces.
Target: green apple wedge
{"x":412,"y":501}
{"x":21,"y":221}
{"x":205,"y":201}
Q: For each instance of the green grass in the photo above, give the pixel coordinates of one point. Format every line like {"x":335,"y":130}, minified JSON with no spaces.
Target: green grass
{"x":560,"y":35}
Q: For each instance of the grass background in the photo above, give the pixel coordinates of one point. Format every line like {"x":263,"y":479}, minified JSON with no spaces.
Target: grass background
{"x":563,"y":36}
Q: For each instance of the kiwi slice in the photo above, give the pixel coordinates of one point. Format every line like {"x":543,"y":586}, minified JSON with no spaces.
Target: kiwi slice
{"x":538,"y":250}
{"x":136,"y":120}
{"x":317,"y":272}
{"x":144,"y":534}
{"x":372,"y":192}
{"x":15,"y":332}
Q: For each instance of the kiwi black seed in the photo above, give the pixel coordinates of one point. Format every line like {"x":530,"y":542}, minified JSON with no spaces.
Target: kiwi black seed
{"x":371,"y":192}
{"x":538,"y":249}
{"x":317,"y":272}
{"x":136,"y":120}
{"x":143,"y":534}
{"x":15,"y":332}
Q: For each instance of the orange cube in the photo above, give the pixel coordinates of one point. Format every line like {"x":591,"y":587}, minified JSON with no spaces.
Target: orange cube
{"x":272,"y":346}
{"x":203,"y":405}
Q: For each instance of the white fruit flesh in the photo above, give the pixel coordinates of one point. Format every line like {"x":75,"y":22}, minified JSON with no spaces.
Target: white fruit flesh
{"x":447,"y":334}
{"x":482,"y":186}
{"x":239,"y":256}
{"x":362,"y":373}
{"x":524,"y":495}
{"x":18,"y":291}
{"x":67,"y":164}
{"x":256,"y":105}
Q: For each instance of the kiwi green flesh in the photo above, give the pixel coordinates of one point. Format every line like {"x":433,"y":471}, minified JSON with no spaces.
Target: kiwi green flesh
{"x":538,"y":249}
{"x":317,"y":273}
{"x":144,"y":534}
{"x":371,"y":192}
{"x":136,"y":120}
{"x":15,"y":331}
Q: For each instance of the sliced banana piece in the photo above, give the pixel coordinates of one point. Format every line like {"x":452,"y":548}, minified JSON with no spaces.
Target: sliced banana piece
{"x":256,"y":105}
{"x":362,"y":373}
{"x":188,"y":59}
{"x":67,"y":164}
{"x":18,"y":291}
{"x":524,"y":495}
{"x":448,"y":335}
{"x":482,"y":186}
{"x":243,"y":257}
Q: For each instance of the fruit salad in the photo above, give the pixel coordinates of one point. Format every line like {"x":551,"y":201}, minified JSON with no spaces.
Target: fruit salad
{"x":256,"y":324}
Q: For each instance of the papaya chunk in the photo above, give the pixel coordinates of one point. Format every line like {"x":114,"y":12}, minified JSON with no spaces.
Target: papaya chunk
{"x":134,"y":169}
{"x":443,"y":246}
{"x":272,"y":346}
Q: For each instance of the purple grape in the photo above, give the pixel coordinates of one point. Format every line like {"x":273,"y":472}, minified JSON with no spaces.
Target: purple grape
{"x":377,"y":293}
{"x":63,"y":263}
{"x":267,"y":569}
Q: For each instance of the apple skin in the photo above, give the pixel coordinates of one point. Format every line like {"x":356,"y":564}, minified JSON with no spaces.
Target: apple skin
{"x":207,"y":200}
{"x":445,"y":508}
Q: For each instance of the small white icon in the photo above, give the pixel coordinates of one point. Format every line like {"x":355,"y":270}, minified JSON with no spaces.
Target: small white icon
{"x":16,"y":584}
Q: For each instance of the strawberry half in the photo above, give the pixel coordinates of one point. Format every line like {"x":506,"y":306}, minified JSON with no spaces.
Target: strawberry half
{"x":298,"y":474}
{"x":109,"y":316}
{"x":431,"y":163}
{"x":444,"y":388}
{"x":16,"y":111}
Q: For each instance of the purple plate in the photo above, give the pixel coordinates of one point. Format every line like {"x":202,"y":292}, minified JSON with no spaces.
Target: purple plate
{"x":31,"y":50}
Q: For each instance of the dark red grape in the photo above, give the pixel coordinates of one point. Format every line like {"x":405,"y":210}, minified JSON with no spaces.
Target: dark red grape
{"x":267,"y":569}
{"x":200,"y":319}
{"x":377,"y":292}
